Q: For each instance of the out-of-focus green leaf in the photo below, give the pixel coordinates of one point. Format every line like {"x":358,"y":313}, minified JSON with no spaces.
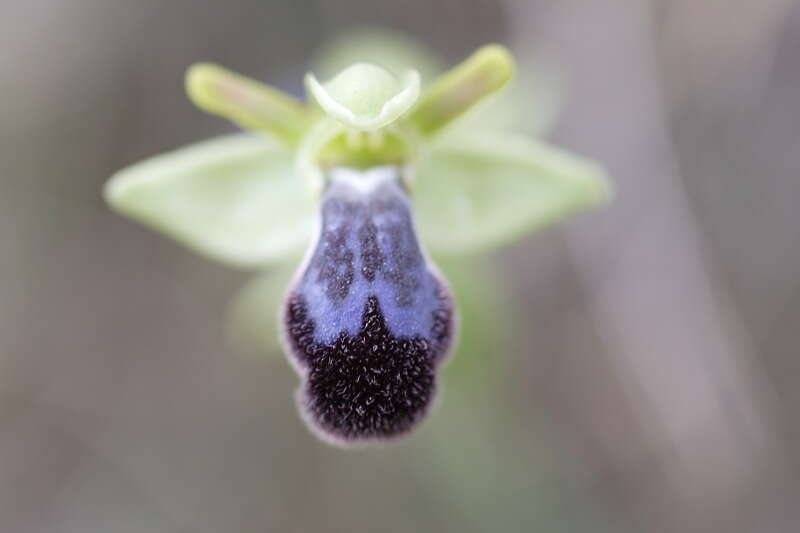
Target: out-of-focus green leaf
{"x":235,"y":198}
{"x":478,"y":191}
{"x":484,"y":320}
{"x":253,"y":317}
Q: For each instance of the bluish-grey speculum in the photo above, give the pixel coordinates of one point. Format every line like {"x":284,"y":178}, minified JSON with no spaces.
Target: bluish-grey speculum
{"x":368,"y":319}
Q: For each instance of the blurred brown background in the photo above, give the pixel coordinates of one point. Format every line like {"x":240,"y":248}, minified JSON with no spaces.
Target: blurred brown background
{"x":652,"y":385}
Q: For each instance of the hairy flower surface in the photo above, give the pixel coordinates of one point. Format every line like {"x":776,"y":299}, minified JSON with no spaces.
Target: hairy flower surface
{"x":368,"y":319}
{"x":371,"y":169}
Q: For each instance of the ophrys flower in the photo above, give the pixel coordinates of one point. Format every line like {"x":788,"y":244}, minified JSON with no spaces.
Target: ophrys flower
{"x":368,"y":318}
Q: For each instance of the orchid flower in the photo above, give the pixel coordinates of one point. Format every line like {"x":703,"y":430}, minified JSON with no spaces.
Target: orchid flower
{"x":369,"y":175}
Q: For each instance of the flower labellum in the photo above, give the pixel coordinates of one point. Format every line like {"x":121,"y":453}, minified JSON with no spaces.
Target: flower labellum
{"x":368,"y":319}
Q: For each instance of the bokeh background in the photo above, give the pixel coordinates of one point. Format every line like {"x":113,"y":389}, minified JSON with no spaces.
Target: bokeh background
{"x":635,"y":369}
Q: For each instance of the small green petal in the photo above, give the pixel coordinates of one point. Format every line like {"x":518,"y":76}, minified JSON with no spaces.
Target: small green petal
{"x":246,"y":102}
{"x":234,"y":198}
{"x":366,"y":96}
{"x":475,"y":192}
{"x":529,"y":103}
{"x":462,"y":87}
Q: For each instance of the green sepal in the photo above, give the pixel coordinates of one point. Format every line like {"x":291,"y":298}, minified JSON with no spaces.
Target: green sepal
{"x":365,"y":96}
{"x":234,"y":198}
{"x":474,"y":192}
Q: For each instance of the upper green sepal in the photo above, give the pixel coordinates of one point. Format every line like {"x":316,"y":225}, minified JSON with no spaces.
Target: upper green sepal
{"x":365,"y":96}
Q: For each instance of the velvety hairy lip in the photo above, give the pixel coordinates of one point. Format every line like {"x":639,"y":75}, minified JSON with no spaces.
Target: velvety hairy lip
{"x":368,"y":319}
